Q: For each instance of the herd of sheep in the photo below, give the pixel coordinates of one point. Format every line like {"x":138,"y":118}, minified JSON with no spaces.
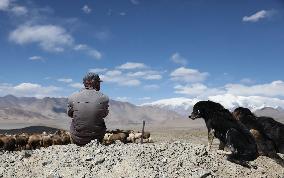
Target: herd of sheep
{"x":34,"y":141}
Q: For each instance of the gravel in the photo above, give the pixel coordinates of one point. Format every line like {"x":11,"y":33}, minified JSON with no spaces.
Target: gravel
{"x":164,"y":159}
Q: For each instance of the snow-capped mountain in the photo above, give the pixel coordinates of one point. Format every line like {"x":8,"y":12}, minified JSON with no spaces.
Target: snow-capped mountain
{"x":254,"y":103}
{"x":180,"y":105}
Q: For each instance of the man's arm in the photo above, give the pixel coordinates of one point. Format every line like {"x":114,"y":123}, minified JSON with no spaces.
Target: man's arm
{"x":70,"y":109}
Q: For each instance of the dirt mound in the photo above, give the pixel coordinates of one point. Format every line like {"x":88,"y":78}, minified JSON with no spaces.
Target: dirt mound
{"x":164,"y":159}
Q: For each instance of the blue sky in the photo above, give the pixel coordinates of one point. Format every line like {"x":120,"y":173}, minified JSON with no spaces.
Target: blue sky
{"x":144,"y":50}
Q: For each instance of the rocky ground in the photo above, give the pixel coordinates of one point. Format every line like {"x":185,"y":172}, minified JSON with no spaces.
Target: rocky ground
{"x":179,"y":158}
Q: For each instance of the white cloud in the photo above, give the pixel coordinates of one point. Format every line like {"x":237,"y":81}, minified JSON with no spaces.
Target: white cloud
{"x":197,"y":89}
{"x":123,"y":99}
{"x":113,"y":73}
{"x":29,"y":90}
{"x":131,"y":82}
{"x":116,"y":76}
{"x":95,"y":54}
{"x":36,"y":58}
{"x":135,"y":2}
{"x":153,"y":77}
{"x":11,"y":7}
{"x":86,"y":9}
{"x":253,"y":102}
{"x":247,"y":81}
{"x":98,"y":70}
{"x":188,"y":75}
{"x":81,"y":47}
{"x":132,"y":65}
{"x":4,"y":4}
{"x":103,"y":35}
{"x":123,"y":76}
{"x":65,"y":80}
{"x":151,"y":87}
{"x":147,"y":75}
{"x":257,"y":16}
{"x":177,"y":58}
{"x":145,"y":98}
{"x":122,"y":13}
{"x":19,"y":10}
{"x":88,"y":50}
{"x":275,"y":88}
{"x":49,"y":37}
{"x":76,"y":85}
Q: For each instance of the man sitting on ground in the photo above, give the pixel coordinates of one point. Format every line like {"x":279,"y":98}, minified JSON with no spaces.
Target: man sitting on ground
{"x":88,"y":108}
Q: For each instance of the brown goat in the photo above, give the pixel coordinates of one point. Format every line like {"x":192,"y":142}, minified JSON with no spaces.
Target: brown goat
{"x":118,"y":136}
{"x":46,"y":140}
{"x":61,"y":137}
{"x":35,"y":141}
{"x":7,"y":143}
{"x":21,"y":141}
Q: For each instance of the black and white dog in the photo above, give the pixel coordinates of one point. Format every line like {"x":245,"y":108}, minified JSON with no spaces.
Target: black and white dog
{"x":221,"y":124}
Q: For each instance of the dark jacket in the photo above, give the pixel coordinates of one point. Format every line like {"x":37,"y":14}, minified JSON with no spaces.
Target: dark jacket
{"x":88,"y":108}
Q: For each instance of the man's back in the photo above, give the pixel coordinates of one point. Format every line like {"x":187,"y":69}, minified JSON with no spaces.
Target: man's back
{"x":88,"y":108}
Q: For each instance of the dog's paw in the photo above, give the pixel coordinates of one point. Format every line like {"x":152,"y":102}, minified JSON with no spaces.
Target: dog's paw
{"x":224,"y":152}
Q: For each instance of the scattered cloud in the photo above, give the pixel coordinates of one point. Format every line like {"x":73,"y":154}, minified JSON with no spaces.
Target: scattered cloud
{"x":48,"y":37}
{"x":122,"y":13}
{"x":103,"y":35}
{"x":98,"y":70}
{"x":36,"y":58}
{"x":145,"y":98}
{"x":177,"y":58}
{"x":81,"y":47}
{"x":197,"y":89}
{"x":128,"y":74}
{"x":188,"y":75}
{"x":123,"y":99}
{"x":116,"y":76}
{"x":135,"y":2}
{"x":146,"y":75}
{"x":94,"y":53}
{"x":19,"y":10}
{"x":29,"y":90}
{"x":88,"y":50}
{"x":151,"y":87}
{"x":76,"y":85}
{"x":258,"y":16}
{"x":247,"y":81}
{"x":86,"y":9}
{"x":65,"y":80}
{"x":11,"y":7}
{"x":4,"y":4}
{"x":109,"y":12}
{"x":273,"y":89}
{"x":131,"y":65}
{"x":153,"y":77}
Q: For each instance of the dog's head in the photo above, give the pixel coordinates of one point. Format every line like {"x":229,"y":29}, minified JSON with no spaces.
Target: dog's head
{"x":240,"y":113}
{"x":202,"y":107}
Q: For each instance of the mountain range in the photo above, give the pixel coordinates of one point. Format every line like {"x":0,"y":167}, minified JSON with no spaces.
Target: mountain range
{"x":52,"y":112}
{"x":184,"y":106}
{"x":26,"y":111}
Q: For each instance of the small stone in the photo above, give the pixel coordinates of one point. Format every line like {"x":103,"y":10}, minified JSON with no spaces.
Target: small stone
{"x":99,"y":161}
